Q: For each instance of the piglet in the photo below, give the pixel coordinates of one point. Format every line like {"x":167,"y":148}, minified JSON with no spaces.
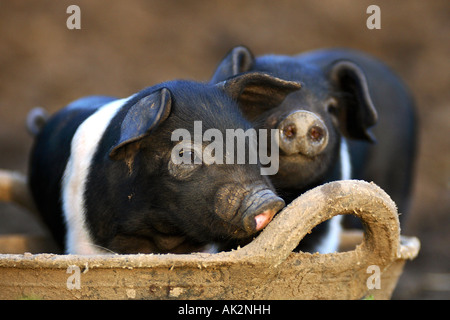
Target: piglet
{"x":106,"y":175}
{"x":354,"y":118}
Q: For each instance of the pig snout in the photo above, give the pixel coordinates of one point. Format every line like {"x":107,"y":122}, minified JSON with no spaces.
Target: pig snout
{"x":258,"y":208}
{"x":303,"y":132}
{"x":248,"y":209}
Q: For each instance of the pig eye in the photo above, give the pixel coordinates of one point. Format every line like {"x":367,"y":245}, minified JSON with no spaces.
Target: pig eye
{"x":185,"y":159}
{"x":190,"y":156}
{"x":332,"y":106}
{"x":186,"y":153}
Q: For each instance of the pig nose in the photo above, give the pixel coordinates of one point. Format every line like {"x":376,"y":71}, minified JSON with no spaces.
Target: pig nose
{"x":258,"y":209}
{"x":303,"y":132}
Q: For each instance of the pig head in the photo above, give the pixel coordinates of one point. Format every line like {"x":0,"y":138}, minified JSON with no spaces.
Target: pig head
{"x":122,"y":189}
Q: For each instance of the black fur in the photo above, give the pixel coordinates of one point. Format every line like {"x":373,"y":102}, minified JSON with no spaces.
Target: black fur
{"x":134,"y":205}
{"x":136,"y":199}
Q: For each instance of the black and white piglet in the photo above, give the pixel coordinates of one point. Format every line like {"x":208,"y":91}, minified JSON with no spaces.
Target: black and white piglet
{"x":103,"y":178}
{"x":352,"y":119}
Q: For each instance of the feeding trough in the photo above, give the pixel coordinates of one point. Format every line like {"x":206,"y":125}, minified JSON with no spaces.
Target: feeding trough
{"x":266,"y":268}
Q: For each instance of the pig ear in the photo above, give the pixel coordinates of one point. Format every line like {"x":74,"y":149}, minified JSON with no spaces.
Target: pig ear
{"x":354,"y":112}
{"x":141,"y":119}
{"x":238,"y":60}
{"x":257,"y":91}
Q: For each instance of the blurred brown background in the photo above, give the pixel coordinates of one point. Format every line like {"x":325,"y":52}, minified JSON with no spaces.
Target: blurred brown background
{"x":124,"y":46}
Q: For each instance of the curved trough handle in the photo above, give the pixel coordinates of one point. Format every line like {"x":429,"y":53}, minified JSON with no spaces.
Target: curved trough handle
{"x":367,"y":201}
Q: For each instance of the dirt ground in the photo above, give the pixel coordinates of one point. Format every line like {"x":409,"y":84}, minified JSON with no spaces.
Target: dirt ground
{"x":123,"y":47}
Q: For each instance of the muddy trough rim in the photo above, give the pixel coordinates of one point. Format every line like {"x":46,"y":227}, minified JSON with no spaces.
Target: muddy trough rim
{"x":264,"y":269}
